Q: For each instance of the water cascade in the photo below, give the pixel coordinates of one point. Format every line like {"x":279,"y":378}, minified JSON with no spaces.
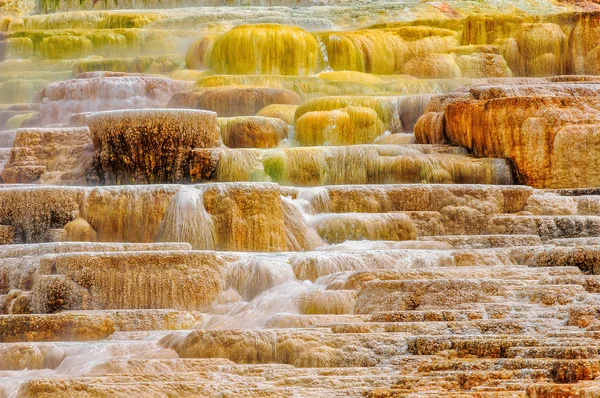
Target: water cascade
{"x":299,"y":198}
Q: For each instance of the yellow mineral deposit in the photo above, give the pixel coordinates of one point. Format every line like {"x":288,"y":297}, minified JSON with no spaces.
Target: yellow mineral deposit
{"x":299,"y":198}
{"x":266,"y":49}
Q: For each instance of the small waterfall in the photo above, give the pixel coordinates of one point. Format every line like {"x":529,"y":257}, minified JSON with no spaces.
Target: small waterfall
{"x":186,"y":220}
{"x":252,"y":276}
{"x":255,"y":314}
{"x":323,"y":49}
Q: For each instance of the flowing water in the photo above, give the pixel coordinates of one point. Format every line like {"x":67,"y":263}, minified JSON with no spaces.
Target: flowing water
{"x":299,"y":198}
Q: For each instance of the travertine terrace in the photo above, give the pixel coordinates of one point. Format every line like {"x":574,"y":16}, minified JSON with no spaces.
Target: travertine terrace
{"x":300,"y":198}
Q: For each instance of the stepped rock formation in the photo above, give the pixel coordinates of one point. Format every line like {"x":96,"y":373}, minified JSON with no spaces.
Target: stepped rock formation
{"x":149,"y":145}
{"x":547,"y":129}
{"x":104,"y":93}
{"x":299,"y":198}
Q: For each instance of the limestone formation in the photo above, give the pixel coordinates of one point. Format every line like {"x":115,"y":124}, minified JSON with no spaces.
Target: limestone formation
{"x":299,"y":198}
{"x":150,"y":145}
{"x":104,"y":93}
{"x":59,"y":156}
{"x":266,"y":49}
{"x":252,"y":132}
{"x":546,"y":129}
{"x":233,"y":101}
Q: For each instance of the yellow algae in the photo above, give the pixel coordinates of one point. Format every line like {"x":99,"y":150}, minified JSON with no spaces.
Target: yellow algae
{"x":266,"y":49}
{"x":128,"y":213}
{"x":195,"y":58}
{"x":381,"y":52}
{"x":21,"y":120}
{"x":300,"y":166}
{"x":342,"y":53}
{"x":305,"y":87}
{"x":108,"y":44}
{"x":486,"y":29}
{"x":72,"y":20}
{"x":21,"y":91}
{"x":337,"y":228}
{"x":188,"y":74}
{"x":127,"y":20}
{"x":419,"y":32}
{"x":252,"y":131}
{"x":237,"y":165}
{"x":18,"y":47}
{"x":359,"y":164}
{"x":352,"y":76}
{"x":346,"y":126}
{"x":542,"y":49}
{"x":384,"y":108}
{"x":247,"y":217}
{"x":283,"y":112}
{"x":65,"y":47}
{"x":410,"y":85}
{"x":431,"y":45}
{"x":144,"y":64}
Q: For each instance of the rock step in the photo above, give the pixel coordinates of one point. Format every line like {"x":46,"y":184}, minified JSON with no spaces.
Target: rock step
{"x":486,"y":241}
{"x":483,"y":311}
{"x":199,"y":388}
{"x":559,"y":352}
{"x":376,"y":296}
{"x":550,"y":390}
{"x":82,"y":325}
{"x":494,"y":326}
{"x":487,"y":346}
{"x":590,"y":241}
{"x":73,"y":281}
{"x":321,"y":348}
{"x":547,"y":227}
{"x":49,"y":355}
{"x":427,"y":316}
{"x":487,"y":380}
{"x":287,"y":321}
{"x":41,"y":249}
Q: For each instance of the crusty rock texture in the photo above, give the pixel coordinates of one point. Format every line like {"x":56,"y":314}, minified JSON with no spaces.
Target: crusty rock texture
{"x":547,"y":129}
{"x":61,"y":156}
{"x":150,"y":145}
{"x":252,"y":131}
{"x":177,"y":280}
